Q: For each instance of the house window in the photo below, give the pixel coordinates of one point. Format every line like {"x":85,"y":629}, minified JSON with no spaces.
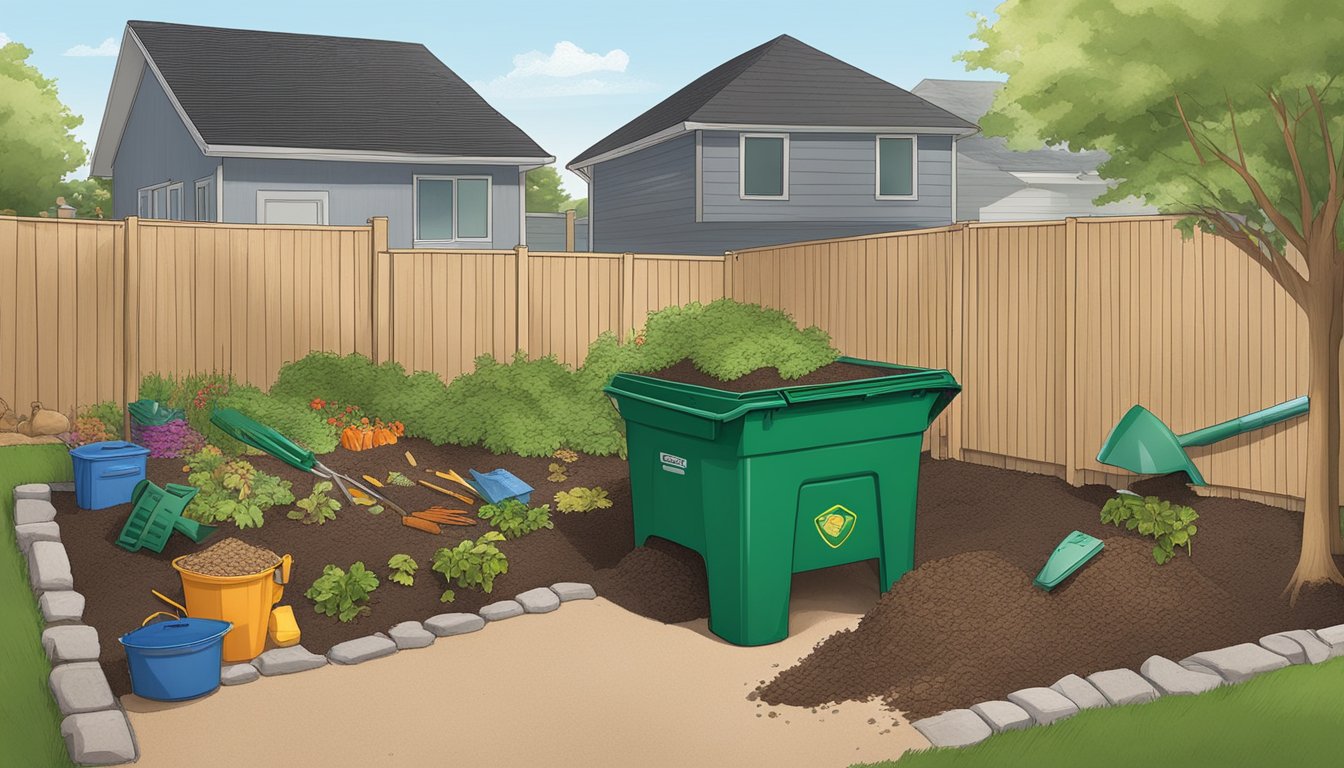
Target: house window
{"x":175,"y":201}
{"x":897,"y":171}
{"x":764,"y":171}
{"x":142,"y":204}
{"x":161,"y":201}
{"x":202,"y":199}
{"x":452,"y":209}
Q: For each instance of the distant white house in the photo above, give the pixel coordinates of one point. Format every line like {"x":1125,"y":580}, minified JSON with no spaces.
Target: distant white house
{"x":995,"y":183}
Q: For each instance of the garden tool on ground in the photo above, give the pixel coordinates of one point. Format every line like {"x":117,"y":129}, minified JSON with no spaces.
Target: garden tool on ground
{"x":242,"y":428}
{"x":1141,"y":443}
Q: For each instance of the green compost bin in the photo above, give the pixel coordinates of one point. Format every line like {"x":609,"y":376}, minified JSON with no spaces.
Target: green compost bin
{"x":773,"y":482}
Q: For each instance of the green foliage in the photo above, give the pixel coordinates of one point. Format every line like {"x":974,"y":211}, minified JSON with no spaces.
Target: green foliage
{"x":343,"y":594}
{"x":396,"y":478}
{"x":108,"y":413}
{"x":582,"y":500}
{"x":559,"y":473}
{"x":544,"y":191}
{"x":318,"y":508}
{"x":579,"y":205}
{"x":403,"y":569}
{"x":37,"y":144}
{"x":232,"y":489}
{"x":473,"y":564}
{"x":1171,"y":525}
{"x":513,"y":518}
{"x":92,"y":198}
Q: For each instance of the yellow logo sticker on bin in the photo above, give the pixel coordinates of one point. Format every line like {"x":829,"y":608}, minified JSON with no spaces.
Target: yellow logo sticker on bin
{"x":835,"y":525}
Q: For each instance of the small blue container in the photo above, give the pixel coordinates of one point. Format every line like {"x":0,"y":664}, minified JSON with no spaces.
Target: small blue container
{"x":175,"y":660}
{"x":106,"y":473}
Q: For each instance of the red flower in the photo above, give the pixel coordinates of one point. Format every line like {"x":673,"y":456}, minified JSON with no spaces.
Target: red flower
{"x":332,"y":421}
{"x":317,"y":404}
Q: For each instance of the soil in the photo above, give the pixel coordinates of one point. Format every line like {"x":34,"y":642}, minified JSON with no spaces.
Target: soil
{"x":230,"y":557}
{"x":685,"y":372}
{"x":965,"y":626}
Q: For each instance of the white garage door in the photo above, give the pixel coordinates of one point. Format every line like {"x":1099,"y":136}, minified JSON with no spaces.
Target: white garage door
{"x":291,"y":207}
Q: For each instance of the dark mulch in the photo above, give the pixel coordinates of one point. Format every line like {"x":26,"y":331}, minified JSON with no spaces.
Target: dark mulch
{"x":685,"y":372}
{"x":967,"y":625}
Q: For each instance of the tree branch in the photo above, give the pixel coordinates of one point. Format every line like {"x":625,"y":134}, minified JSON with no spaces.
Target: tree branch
{"x":1308,"y":209}
{"x":1255,"y":243}
{"x":1189,"y":132}
{"x":1331,"y":212}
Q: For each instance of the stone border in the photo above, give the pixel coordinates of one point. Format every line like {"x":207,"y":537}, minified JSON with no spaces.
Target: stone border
{"x":1156,"y":677}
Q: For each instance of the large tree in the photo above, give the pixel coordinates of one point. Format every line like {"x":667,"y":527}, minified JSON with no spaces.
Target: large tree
{"x":1228,"y":112}
{"x":37,"y":148}
{"x":544,"y":191}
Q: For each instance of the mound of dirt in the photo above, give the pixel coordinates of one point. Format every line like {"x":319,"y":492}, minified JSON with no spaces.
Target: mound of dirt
{"x":971,"y":627}
{"x":660,"y":580}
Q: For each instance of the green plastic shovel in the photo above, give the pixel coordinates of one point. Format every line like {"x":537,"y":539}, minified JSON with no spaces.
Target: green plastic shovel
{"x":1141,"y":443}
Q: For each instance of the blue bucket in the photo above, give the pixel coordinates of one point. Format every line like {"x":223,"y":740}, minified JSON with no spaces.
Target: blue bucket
{"x":175,"y":660}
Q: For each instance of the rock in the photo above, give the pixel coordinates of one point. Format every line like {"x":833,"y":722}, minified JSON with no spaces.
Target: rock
{"x":504,"y":609}
{"x":1333,"y":637}
{"x":39,"y":491}
{"x":27,"y":534}
{"x":99,"y":738}
{"x":1043,"y":704}
{"x":64,"y":487}
{"x":64,"y":605}
{"x":539,"y":600}
{"x":28,"y":511}
{"x":49,"y":567}
{"x":1174,"y":680}
{"x":70,"y":642}
{"x":1080,"y":692}
{"x":449,"y":624}
{"x":1123,"y":686}
{"x":361,"y":649}
{"x":573,"y":590}
{"x":81,"y":687}
{"x":1002,"y":715}
{"x":411,"y":634}
{"x":1236,"y":663}
{"x":284,"y":661}
{"x":1299,"y":646}
{"x":955,"y":728}
{"x":238,"y":674}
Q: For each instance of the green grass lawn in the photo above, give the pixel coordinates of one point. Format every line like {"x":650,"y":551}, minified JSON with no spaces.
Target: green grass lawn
{"x":30,"y":724}
{"x":1291,"y":717}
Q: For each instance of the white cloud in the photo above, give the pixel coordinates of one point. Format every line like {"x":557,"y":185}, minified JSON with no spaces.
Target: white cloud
{"x":568,"y":60}
{"x":107,"y":48}
{"x":4,"y":40}
{"x":558,"y":74}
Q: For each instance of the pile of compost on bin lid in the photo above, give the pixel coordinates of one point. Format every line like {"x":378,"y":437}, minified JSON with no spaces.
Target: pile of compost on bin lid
{"x":685,"y":372}
{"x":230,"y":557}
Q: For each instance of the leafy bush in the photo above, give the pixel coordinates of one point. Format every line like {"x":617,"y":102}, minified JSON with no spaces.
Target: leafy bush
{"x":342,"y":594}
{"x":169,"y":440}
{"x":232,"y":490}
{"x":513,"y":518}
{"x":403,"y":569}
{"x":318,"y":507}
{"x":582,"y":500}
{"x":1172,"y":525}
{"x":108,"y":414}
{"x":474,"y":564}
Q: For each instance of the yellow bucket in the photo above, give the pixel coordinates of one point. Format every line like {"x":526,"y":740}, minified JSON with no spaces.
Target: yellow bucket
{"x":246,"y":601}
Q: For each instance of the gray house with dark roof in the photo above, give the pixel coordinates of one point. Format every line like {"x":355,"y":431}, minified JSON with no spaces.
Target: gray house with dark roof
{"x":995,"y":183}
{"x":210,"y":124}
{"x":782,"y":143}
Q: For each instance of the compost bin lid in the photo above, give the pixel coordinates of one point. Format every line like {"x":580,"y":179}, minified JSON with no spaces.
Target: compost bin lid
{"x":108,"y":449}
{"x":178,"y":633}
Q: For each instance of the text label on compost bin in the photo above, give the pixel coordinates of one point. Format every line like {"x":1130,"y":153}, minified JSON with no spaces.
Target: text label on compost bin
{"x":835,"y":525}
{"x":674,"y":464}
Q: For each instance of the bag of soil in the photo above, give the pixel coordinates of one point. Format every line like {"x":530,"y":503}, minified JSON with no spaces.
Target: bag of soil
{"x":9,"y":419}
{"x":45,"y":422}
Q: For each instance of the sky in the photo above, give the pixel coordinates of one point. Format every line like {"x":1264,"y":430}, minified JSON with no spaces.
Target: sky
{"x":568,"y":73}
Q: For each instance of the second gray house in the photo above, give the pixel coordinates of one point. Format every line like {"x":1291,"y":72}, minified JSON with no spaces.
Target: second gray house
{"x":210,"y":124}
{"x":782,"y":143}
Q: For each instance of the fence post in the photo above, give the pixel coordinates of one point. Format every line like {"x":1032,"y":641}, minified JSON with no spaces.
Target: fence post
{"x":523,"y":299}
{"x":569,"y":230}
{"x":380,"y":284}
{"x":130,"y":314}
{"x":627,"y":295}
{"x":1072,"y":472}
{"x":729,"y":258}
{"x":956,"y":352}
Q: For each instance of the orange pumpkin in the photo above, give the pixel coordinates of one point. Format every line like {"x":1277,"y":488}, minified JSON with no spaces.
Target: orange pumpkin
{"x":359,"y":438}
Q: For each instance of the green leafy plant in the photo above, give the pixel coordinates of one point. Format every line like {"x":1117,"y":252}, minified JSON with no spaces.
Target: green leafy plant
{"x":582,"y":500}
{"x":108,"y":414}
{"x":343,"y":594}
{"x":397,"y":478}
{"x":513,"y":518}
{"x":559,"y":473}
{"x":472,"y":564}
{"x":232,"y":489}
{"x":403,"y":569}
{"x":318,"y":508}
{"x":1171,"y":525}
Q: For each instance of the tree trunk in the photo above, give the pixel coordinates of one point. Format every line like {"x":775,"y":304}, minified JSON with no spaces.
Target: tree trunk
{"x":1320,"y":520}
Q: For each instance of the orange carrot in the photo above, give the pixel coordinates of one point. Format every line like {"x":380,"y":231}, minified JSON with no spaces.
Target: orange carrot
{"x":421,"y":525}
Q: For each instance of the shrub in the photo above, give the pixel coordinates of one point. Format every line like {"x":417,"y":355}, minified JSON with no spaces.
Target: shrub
{"x":474,"y":564}
{"x":403,"y":569}
{"x":232,"y":489}
{"x":169,"y":440}
{"x":108,"y":414}
{"x":342,"y":594}
{"x":513,"y":518}
{"x":1171,"y":525}
{"x":290,"y":417}
{"x":318,"y":507}
{"x":582,"y":500}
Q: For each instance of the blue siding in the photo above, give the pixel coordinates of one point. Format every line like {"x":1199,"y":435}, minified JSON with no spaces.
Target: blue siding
{"x":156,"y":148}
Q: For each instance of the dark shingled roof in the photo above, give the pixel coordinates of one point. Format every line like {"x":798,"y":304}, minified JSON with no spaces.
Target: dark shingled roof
{"x":276,"y":89}
{"x":783,"y":82}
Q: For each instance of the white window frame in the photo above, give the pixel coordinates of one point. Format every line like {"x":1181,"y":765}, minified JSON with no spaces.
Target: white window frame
{"x":742,"y":166}
{"x":181,"y":191}
{"x":320,"y":195}
{"x":206,"y":212}
{"x":143,"y":203}
{"x":146,"y":194}
{"x":489,"y":210}
{"x":914,"y":166}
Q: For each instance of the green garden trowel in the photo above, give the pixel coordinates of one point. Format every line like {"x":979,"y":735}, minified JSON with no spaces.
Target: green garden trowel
{"x":1142,"y":444}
